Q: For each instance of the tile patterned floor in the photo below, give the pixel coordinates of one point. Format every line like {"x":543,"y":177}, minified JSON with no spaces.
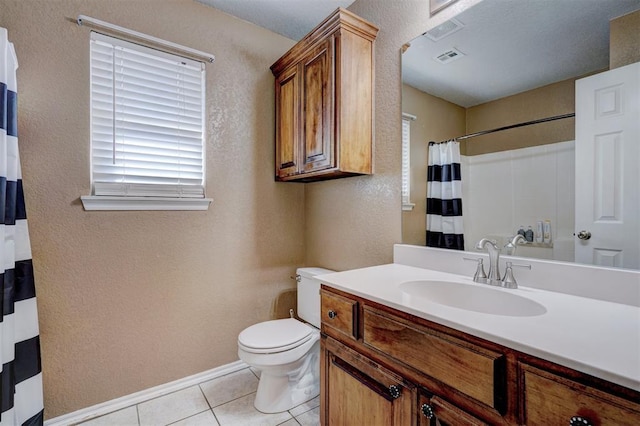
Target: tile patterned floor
{"x":224,"y":401}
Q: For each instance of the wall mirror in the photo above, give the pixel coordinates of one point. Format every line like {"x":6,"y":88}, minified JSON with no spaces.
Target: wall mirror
{"x":501,"y":63}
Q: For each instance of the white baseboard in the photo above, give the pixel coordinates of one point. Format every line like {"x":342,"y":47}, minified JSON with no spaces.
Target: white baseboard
{"x":107,"y":407}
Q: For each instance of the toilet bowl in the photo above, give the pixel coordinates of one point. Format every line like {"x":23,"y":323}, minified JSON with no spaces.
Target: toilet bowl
{"x":287,"y":351}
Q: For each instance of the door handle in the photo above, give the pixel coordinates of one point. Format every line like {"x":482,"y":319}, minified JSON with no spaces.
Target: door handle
{"x":584,"y":235}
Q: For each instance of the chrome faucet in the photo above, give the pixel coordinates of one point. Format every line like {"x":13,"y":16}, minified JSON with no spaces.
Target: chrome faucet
{"x":491,"y":246}
{"x":512,"y":245}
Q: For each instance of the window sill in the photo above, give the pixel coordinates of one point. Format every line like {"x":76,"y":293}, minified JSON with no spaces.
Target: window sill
{"x":93,"y":202}
{"x":408,"y":206}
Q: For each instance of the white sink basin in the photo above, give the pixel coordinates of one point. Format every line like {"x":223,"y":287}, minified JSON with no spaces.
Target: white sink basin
{"x":475,"y":298}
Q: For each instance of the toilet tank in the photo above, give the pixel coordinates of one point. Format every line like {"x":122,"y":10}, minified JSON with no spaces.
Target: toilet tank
{"x":309,"y":294}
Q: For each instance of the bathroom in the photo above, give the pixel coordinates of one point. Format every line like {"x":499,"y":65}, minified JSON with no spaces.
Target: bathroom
{"x":132,"y":300}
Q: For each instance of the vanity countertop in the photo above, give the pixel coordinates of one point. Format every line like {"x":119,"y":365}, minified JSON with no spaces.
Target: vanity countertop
{"x":596,"y":337}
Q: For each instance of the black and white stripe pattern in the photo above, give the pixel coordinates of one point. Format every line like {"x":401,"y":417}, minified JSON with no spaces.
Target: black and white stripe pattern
{"x":444,"y":196}
{"x":21,"y":398}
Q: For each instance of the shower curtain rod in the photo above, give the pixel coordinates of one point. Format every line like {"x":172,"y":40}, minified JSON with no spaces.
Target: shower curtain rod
{"x":513,"y":126}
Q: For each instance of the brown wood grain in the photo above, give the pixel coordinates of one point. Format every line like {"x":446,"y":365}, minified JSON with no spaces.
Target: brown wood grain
{"x":345,"y":311}
{"x":317,"y":101}
{"x":359,"y":391}
{"x":467,"y":368}
{"x":288,"y":118}
{"x":354,"y":101}
{"x":550,"y":399}
{"x":446,"y":413}
{"x":325,"y":101}
{"x":528,"y":390}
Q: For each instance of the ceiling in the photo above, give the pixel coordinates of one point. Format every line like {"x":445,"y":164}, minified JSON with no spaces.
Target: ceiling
{"x":511,"y":46}
{"x":291,"y":18}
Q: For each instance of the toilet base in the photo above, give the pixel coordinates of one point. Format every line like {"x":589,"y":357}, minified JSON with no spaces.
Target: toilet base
{"x":281,"y":392}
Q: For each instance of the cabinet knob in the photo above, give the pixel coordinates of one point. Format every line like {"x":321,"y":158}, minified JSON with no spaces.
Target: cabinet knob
{"x":427,"y":411}
{"x":579,"y":421}
{"x":332,"y":314}
{"x":394,"y":391}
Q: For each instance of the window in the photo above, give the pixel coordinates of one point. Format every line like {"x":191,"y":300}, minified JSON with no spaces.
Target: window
{"x":147,"y":126}
{"x":406,"y":161}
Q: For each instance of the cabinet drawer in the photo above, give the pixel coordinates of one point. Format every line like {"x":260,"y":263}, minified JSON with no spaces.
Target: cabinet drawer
{"x":339,"y":313}
{"x":445,"y":413}
{"x":474,"y":371}
{"x":550,"y":399}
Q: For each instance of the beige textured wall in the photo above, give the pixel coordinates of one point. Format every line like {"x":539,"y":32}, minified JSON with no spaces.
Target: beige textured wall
{"x":354,"y":222}
{"x":624,"y":40}
{"x":546,"y":101}
{"x":436,"y":120}
{"x":130,"y":300}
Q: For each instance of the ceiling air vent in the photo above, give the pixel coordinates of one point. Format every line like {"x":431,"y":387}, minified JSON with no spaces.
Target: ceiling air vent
{"x":449,"y":56}
{"x":445,"y":29}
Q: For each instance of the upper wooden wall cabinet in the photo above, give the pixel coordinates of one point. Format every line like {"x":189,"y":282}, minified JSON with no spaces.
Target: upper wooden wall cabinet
{"x":324,"y":92}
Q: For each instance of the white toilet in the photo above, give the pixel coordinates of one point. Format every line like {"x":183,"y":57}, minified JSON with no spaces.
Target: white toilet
{"x":287,"y":351}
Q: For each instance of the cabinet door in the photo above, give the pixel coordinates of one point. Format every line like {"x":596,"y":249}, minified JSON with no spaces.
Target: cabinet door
{"x":317,"y":88}
{"x":356,"y":391}
{"x":287,"y":122}
{"x":435,"y":411}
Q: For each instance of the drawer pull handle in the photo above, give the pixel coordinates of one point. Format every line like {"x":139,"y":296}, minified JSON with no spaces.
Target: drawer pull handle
{"x":394,"y":391}
{"x":332,"y":314}
{"x":427,"y":411}
{"x":579,"y":421}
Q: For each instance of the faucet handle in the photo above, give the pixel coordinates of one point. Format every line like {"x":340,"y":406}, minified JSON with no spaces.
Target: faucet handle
{"x":480,"y":276}
{"x":509,"y":281}
{"x":518,"y":265}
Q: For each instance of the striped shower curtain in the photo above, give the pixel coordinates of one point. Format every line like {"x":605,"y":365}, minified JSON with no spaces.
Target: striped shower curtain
{"x":444,"y":196}
{"x":21,"y":377}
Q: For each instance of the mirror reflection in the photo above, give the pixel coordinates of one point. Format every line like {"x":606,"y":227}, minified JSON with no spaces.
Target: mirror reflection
{"x":502,"y":63}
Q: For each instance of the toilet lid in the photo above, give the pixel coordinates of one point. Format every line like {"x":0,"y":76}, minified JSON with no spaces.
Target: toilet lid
{"x":277,"y":334}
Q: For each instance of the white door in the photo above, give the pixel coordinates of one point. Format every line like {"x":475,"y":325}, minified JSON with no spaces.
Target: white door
{"x":607,"y":168}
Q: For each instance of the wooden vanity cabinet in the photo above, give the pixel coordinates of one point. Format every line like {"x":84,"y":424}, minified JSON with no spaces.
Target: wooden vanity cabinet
{"x":370,"y":368}
{"x":468,"y":368}
{"x":446,"y":377}
{"x":549,"y":399}
{"x":433,"y":411}
{"x":340,"y":314}
{"x":361,"y":391}
{"x":324,"y":89}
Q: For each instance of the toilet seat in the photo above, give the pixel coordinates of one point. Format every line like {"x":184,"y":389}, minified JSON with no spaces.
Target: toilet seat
{"x":275,"y":336}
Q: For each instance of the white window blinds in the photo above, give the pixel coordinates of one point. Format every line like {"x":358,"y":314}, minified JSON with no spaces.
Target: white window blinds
{"x":147,"y":121}
{"x":406,"y":161}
